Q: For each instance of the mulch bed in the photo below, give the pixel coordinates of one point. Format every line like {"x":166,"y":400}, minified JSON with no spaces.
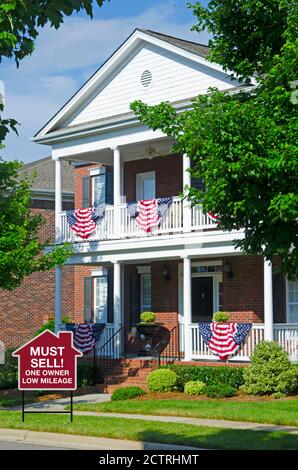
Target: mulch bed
{"x":181,"y":396}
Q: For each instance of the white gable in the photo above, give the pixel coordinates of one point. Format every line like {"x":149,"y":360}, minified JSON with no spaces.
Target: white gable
{"x":174,"y":78}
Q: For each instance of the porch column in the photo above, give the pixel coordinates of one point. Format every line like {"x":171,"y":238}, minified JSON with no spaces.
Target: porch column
{"x":187,"y":307}
{"x":58,"y":297}
{"x":58,"y":200}
{"x":268,"y":301}
{"x":117,"y":177}
{"x":186,"y":204}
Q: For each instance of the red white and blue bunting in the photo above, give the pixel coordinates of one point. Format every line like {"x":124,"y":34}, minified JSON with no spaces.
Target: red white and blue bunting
{"x":224,"y":339}
{"x":83,"y":221}
{"x":148,"y":213}
{"x":85,"y":335}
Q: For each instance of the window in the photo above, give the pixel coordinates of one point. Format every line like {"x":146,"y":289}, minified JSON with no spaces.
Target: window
{"x":99,"y":189}
{"x":292,"y":306}
{"x":145,"y":292}
{"x":145,"y":183}
{"x":101,"y":299}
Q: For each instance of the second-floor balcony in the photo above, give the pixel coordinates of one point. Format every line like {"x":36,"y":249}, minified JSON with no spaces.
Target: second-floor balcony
{"x":117,"y":223}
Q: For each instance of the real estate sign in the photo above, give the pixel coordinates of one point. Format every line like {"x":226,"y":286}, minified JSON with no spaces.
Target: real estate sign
{"x":48,"y":362}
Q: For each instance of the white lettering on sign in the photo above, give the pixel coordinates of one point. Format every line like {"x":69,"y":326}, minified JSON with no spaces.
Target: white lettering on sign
{"x":46,"y":351}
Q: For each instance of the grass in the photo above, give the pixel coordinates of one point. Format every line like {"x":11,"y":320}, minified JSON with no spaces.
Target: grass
{"x":152,"y":431}
{"x":283,"y":412}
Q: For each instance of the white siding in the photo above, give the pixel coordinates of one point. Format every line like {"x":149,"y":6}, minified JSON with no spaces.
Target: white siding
{"x":174,"y":78}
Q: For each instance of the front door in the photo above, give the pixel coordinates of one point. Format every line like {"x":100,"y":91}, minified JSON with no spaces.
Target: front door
{"x":202,"y":299}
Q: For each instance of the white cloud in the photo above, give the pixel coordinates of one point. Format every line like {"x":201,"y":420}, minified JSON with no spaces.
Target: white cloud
{"x":63,"y":60}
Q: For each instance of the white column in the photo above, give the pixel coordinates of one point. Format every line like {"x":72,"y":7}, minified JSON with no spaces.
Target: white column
{"x":268,"y":301}
{"x":186,"y":204}
{"x":187,"y":307}
{"x":58,"y":297}
{"x":58,"y":200}
{"x":117,"y":190}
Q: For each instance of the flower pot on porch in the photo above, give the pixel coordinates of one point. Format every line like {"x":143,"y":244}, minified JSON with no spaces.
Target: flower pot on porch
{"x":147,"y":330}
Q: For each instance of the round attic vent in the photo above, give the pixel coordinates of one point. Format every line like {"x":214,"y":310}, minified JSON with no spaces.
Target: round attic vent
{"x":146,"y":78}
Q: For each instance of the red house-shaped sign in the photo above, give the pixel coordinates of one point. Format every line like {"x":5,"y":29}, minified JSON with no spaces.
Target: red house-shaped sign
{"x":48,"y":362}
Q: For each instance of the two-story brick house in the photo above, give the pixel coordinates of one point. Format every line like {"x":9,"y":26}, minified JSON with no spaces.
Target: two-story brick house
{"x":25,"y":309}
{"x":185,"y":269}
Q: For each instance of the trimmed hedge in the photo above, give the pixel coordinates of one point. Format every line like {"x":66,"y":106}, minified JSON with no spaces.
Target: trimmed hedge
{"x":162,"y":380}
{"x":210,"y":375}
{"x":127,"y":393}
{"x":219,"y":391}
{"x":194,"y":388}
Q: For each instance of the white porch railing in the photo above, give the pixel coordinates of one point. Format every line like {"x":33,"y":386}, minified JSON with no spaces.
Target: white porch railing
{"x":284,"y":334}
{"x":108,"y":229}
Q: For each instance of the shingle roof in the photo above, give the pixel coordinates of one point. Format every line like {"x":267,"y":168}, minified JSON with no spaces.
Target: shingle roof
{"x":199,"y":49}
{"x":45,"y":175}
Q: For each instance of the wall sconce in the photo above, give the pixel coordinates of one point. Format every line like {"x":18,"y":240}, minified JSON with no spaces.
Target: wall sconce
{"x":228,"y":270}
{"x":166,"y":273}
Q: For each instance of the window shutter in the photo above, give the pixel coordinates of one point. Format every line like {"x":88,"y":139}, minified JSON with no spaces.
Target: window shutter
{"x":86,"y":191}
{"x":87,"y":299}
{"x":109,"y":188}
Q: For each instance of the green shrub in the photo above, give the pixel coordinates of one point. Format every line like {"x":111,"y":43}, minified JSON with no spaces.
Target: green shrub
{"x":50,"y":325}
{"x":270,"y":372}
{"x":127,"y":393}
{"x":221,"y":317}
{"x":210,"y":375}
{"x":9,"y":371}
{"x":194,"y":388}
{"x":148,"y":317}
{"x":162,"y":380}
{"x":85,"y":374}
{"x":219,"y":391}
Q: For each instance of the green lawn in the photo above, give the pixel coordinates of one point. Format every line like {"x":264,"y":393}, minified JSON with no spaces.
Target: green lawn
{"x":171,"y":433}
{"x":274,"y":412}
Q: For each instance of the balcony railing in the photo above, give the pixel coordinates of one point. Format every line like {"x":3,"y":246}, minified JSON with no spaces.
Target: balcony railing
{"x":286,"y":335}
{"x":117,"y":224}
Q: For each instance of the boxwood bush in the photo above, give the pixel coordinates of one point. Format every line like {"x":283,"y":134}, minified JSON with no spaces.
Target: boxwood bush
{"x":270,"y":372}
{"x":127,"y":393}
{"x":9,"y":371}
{"x":219,"y":391}
{"x":194,"y":388}
{"x":162,"y":380}
{"x":210,"y":375}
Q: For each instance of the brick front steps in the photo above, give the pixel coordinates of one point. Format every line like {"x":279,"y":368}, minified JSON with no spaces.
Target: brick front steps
{"x":128,"y":372}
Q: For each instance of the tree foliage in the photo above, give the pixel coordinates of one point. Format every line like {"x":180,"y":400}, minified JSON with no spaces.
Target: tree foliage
{"x":244,"y":145}
{"x":20,"y":21}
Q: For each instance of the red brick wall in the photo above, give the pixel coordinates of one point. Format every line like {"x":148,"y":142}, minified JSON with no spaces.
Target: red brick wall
{"x":168,"y":170}
{"x":25,"y":309}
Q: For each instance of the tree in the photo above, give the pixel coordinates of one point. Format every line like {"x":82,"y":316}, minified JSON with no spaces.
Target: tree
{"x":244,"y":145}
{"x":21,"y":252}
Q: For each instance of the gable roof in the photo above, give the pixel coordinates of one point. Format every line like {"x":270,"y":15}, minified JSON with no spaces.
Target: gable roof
{"x":45,"y":175}
{"x":194,"y":47}
{"x":191,"y":50}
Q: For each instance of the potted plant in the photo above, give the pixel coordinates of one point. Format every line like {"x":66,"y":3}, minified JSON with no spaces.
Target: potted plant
{"x":221,"y":317}
{"x":147,"y":327}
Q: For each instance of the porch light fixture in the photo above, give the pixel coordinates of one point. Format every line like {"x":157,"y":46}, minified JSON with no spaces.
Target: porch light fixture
{"x":228,"y":270}
{"x":166,"y":275}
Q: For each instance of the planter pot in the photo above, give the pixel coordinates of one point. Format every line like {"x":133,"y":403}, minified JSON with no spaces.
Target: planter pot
{"x":148,"y":330}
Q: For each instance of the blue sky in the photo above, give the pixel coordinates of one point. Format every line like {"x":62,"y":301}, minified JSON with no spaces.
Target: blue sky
{"x":63,"y":60}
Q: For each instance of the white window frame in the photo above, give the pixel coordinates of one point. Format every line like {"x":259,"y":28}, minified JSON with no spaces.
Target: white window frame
{"x":94,"y":173}
{"x":145,"y":307}
{"x":288,"y":303}
{"x":140,"y":177}
{"x":97,"y":275}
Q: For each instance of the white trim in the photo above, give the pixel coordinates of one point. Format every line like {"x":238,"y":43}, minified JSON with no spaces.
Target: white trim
{"x":133,"y":42}
{"x":97,"y":171}
{"x":144,"y":269}
{"x":206,"y":263}
{"x":288,"y":303}
{"x":99,"y":272}
{"x":144,"y":307}
{"x":104,"y":318}
{"x":140,"y":178}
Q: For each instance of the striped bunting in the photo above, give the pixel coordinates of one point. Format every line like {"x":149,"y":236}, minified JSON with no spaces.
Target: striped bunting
{"x":147,"y":213}
{"x":224,"y":339}
{"x":83,"y":221}
{"x":85,"y":335}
